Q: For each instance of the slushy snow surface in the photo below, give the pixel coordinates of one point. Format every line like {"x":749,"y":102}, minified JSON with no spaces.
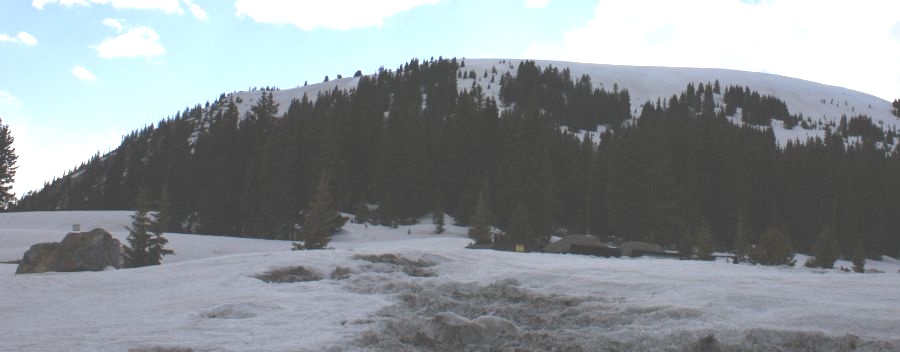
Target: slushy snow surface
{"x":429,"y":293}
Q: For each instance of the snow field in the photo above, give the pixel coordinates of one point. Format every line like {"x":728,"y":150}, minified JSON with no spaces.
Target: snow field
{"x":210,"y":300}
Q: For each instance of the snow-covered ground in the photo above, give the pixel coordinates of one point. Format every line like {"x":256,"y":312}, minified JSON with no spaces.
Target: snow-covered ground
{"x":432,"y":295}
{"x":18,"y":231}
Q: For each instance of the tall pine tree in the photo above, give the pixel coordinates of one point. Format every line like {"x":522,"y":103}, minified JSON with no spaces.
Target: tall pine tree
{"x":703,"y":239}
{"x":135,"y":253}
{"x":321,"y":220}
{"x":742,"y":247}
{"x":482,"y":220}
{"x":438,"y":216}
{"x":8,"y":159}
{"x":774,"y":248}
{"x":825,"y":251}
{"x":156,"y":246}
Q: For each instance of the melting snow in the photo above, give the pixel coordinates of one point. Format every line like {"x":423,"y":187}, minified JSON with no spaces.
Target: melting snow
{"x":207,"y":297}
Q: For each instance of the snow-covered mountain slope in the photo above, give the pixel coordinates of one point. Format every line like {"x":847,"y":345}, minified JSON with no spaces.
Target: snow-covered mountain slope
{"x":283,"y":97}
{"x":647,"y":83}
{"x":489,"y":299}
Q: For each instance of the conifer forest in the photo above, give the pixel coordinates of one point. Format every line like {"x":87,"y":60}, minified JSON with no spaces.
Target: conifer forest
{"x":406,"y":142}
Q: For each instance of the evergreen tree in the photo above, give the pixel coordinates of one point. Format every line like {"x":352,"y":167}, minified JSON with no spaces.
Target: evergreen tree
{"x":222,"y":162}
{"x":135,"y":253}
{"x":742,"y":247}
{"x":361,"y":212}
{"x":686,"y":245}
{"x":707,"y":110}
{"x":438,"y":218}
{"x":322,"y":219}
{"x":825,"y":251}
{"x":156,"y":247}
{"x":774,"y":248}
{"x":481,"y":221}
{"x":859,"y":259}
{"x":8,"y":167}
{"x":387,"y":214}
{"x":253,"y":131}
{"x":521,"y":229}
{"x":703,"y":239}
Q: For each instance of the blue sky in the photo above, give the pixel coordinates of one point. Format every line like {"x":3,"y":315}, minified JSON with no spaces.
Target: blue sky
{"x":75,"y":75}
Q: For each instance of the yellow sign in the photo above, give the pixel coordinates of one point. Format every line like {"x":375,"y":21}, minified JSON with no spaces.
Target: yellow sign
{"x":520,"y":247}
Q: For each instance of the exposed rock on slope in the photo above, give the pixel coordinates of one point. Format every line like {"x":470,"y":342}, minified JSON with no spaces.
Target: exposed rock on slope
{"x":79,"y":251}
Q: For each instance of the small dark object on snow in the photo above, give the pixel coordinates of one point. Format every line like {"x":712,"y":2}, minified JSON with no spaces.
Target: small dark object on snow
{"x":289,"y":275}
{"x":708,"y":343}
{"x":161,"y":349}
{"x":409,"y":267}
{"x":340,"y":273}
{"x":394,"y":259}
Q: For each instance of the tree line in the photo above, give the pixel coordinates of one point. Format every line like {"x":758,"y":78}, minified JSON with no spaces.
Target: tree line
{"x":407,"y":142}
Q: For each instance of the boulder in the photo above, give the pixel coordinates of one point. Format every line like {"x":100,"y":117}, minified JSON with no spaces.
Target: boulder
{"x":636,"y":249}
{"x":79,"y":251}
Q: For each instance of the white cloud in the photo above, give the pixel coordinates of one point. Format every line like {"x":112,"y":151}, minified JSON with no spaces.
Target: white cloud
{"x":115,"y":23}
{"x":829,"y":41}
{"x":9,"y":100}
{"x":83,"y":73}
{"x":333,"y":14}
{"x":27,"y":39}
{"x":167,"y":6}
{"x":536,"y":4}
{"x":136,"y":41}
{"x":39,"y":4}
{"x":21,"y":38}
{"x":196,"y":10}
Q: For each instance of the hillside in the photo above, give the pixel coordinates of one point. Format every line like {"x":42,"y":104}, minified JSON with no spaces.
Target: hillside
{"x":533,"y":302}
{"x":819,"y":102}
{"x":730,"y":149}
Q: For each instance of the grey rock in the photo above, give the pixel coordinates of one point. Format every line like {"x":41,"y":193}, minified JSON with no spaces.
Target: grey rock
{"x":79,"y":251}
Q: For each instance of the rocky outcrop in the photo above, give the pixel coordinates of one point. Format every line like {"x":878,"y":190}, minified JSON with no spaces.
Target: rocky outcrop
{"x":79,"y":251}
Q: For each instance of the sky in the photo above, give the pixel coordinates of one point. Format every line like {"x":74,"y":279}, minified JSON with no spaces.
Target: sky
{"x":77,"y":75}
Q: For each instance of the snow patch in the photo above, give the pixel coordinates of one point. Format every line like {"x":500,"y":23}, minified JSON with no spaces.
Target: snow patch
{"x":235,"y":311}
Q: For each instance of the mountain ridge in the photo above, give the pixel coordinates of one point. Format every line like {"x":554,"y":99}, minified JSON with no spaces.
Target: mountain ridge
{"x":822,"y":103}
